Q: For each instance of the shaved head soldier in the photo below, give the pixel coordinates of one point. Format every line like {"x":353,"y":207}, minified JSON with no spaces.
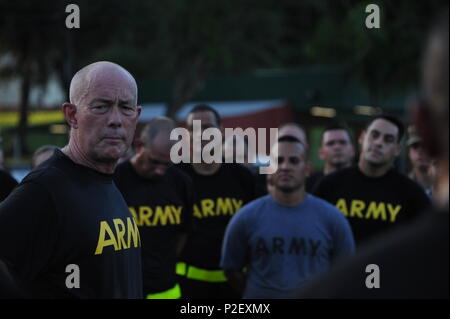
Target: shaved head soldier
{"x":67,"y":217}
{"x":161,"y":198}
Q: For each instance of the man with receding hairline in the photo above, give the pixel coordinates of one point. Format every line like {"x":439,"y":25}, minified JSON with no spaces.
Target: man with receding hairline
{"x":74,"y":236}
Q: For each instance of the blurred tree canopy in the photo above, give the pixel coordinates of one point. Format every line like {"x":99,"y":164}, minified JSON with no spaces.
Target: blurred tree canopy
{"x":185,"y":41}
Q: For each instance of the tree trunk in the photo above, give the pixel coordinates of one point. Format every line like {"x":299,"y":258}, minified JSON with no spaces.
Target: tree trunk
{"x":187,"y":83}
{"x":24,"y":106}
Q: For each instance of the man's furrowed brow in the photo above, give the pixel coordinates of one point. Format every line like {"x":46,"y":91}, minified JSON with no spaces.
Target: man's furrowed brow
{"x":109,"y":101}
{"x":102,"y":101}
{"x":126,"y":102}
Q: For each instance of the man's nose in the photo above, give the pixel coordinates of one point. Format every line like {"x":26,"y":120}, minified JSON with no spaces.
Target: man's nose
{"x":379,"y":141}
{"x":284,"y":166}
{"x":115,"y":117}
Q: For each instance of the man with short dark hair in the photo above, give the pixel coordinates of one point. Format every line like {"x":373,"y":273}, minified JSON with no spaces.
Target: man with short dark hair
{"x":160,"y":197}
{"x":285,"y":238}
{"x":336,"y":150}
{"x":221,"y":189}
{"x":74,"y":236}
{"x":372,"y":195}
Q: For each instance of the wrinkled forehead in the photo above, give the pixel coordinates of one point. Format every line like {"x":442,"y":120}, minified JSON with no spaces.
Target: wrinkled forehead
{"x":111,"y":83}
{"x":103,"y":81}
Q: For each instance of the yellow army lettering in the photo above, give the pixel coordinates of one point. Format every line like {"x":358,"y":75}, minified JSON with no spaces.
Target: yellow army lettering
{"x":159,"y":216}
{"x":221,"y":206}
{"x":121,"y":238}
{"x":374,"y":210}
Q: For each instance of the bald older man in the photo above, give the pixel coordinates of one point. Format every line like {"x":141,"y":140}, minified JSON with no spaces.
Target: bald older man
{"x":66,"y":230}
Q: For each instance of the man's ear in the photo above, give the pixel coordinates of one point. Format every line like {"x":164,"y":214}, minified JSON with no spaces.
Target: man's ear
{"x":138,"y":146}
{"x":138,"y":111}
{"x":321,"y":154}
{"x":69,"y":110}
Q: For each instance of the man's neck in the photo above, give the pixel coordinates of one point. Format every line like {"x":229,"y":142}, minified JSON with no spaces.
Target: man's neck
{"x":329,"y":168}
{"x":373,"y":170}
{"x":423,"y":178}
{"x":206,"y":169}
{"x":289,"y":199}
{"x":74,"y":153}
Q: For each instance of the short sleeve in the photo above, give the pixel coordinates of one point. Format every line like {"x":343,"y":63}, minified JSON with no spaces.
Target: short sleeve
{"x":343,"y":240}
{"x":235,"y":243}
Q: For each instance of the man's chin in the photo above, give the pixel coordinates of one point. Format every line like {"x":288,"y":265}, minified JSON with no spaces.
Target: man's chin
{"x":287,"y":188}
{"x":111,"y":156}
{"x":375,"y":163}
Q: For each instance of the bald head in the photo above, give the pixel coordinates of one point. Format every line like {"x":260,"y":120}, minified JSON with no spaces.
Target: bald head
{"x":100,"y":72}
{"x":102,"y":115}
{"x":157,"y":131}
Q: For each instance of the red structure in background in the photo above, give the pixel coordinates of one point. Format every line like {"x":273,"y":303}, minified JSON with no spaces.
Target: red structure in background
{"x":244,"y":114}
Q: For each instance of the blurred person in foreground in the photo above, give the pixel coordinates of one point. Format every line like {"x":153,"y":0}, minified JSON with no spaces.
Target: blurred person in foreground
{"x":412,"y":260}
{"x":7,"y":184}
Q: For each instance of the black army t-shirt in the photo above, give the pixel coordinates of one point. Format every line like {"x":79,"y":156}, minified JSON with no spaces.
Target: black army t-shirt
{"x":7,"y":184}
{"x":66,"y":222}
{"x":313,"y":180}
{"x":373,"y":205}
{"x":163,"y":210}
{"x":218,"y":197}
